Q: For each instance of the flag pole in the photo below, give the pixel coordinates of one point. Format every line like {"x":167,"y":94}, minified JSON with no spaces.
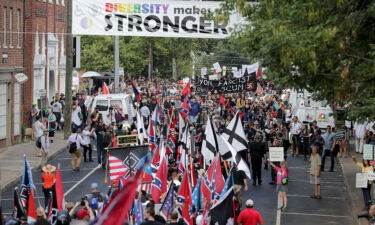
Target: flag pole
{"x":106,"y":167}
{"x":191,"y":163}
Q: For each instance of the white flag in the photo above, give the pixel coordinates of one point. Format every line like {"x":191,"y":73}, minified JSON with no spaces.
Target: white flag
{"x":235,"y":134}
{"x":210,"y":144}
{"x":141,"y":128}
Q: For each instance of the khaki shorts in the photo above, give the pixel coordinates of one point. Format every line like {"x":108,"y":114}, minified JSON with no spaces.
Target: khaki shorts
{"x":314,"y":179}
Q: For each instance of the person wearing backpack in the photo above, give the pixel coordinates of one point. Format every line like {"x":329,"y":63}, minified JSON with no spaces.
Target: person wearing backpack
{"x":74,"y":147}
{"x":95,"y":193}
{"x":282,"y":182}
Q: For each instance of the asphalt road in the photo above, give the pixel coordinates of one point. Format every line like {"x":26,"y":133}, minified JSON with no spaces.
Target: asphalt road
{"x":333,"y":208}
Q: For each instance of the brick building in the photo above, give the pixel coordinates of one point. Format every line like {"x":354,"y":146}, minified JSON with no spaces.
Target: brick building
{"x":31,"y":42}
{"x":11,"y":45}
{"x":44,"y":63}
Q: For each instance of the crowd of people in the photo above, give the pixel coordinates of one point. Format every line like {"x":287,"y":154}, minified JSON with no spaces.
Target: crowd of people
{"x":267,"y":118}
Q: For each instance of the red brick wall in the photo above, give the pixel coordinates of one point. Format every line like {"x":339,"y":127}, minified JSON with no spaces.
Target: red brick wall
{"x":44,"y":17}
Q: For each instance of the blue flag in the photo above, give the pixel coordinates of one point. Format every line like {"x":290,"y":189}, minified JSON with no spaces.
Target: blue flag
{"x":228,"y":185}
{"x":197,"y":198}
{"x":165,"y":209}
{"x":138,"y":212}
{"x":26,"y":183}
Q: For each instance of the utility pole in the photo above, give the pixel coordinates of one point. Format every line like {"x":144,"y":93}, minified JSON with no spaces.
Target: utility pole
{"x":174,"y":68}
{"x":117,"y":62}
{"x":68,"y":75}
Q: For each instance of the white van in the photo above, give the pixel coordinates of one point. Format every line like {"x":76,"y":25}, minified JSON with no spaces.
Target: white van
{"x":104,"y":102}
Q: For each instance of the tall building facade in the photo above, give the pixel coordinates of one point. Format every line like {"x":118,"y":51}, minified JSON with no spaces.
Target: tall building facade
{"x":32,"y":42}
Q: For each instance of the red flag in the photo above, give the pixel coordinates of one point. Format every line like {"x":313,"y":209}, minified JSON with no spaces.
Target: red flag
{"x":185,"y":108}
{"x":105,"y":90}
{"x":184,"y":198}
{"x":159,"y":186}
{"x":59,"y":191}
{"x":186,"y":90}
{"x":114,"y":141}
{"x":116,"y":168}
{"x":213,"y":182}
{"x":151,"y":136}
{"x":171,"y":140}
{"x":116,"y":211}
{"x":156,"y":160}
{"x":31,"y":210}
{"x":259,"y":73}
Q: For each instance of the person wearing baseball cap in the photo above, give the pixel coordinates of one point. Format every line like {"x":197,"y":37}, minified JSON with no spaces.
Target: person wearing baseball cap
{"x":250,"y":216}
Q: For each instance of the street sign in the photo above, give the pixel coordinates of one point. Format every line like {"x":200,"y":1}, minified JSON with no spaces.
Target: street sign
{"x":21,"y":78}
{"x":42,"y":92}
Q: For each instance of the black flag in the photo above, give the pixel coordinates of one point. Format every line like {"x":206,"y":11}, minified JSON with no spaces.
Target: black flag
{"x":18,"y":210}
{"x":223,"y":210}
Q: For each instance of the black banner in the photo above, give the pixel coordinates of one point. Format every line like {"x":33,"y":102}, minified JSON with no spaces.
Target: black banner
{"x":124,"y":140}
{"x":224,"y":85}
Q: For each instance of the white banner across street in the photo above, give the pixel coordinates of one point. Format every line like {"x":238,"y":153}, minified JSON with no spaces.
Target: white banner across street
{"x":189,"y":19}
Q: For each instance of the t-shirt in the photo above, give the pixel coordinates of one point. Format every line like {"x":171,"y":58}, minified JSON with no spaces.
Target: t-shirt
{"x":250,"y":217}
{"x":56,"y":107}
{"x":315,"y":163}
{"x":75,"y":117}
{"x":281,"y":173}
{"x":38,"y":128}
{"x":239,"y":177}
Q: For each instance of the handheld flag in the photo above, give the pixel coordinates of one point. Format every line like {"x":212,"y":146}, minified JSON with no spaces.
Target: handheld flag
{"x":159,"y":186}
{"x":186,"y":90}
{"x":197,"y":199}
{"x":166,"y":208}
{"x":213,"y":181}
{"x":185,"y":108}
{"x":105,"y":90}
{"x":209,"y":146}
{"x":59,"y":191}
{"x":31,"y":210}
{"x":137,"y":94}
{"x":222,"y":212}
{"x":184,"y":199}
{"x":235,"y":134}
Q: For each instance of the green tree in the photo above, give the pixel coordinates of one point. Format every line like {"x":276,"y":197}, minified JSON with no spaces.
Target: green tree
{"x":326,"y":47}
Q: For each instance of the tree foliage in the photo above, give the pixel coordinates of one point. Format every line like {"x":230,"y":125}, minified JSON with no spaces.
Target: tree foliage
{"x":326,"y":47}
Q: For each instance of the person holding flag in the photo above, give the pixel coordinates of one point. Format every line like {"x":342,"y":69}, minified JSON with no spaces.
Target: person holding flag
{"x":49,"y":180}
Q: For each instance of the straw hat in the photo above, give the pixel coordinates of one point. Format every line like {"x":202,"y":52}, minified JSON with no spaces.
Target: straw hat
{"x":48,"y":168}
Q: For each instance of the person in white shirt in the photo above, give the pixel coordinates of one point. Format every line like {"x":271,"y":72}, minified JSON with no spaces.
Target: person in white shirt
{"x":86,"y":143}
{"x":359,"y":133}
{"x":57,"y":110}
{"x":45,"y":143}
{"x":76,"y":116}
{"x":38,"y":132}
{"x":295,"y":130}
{"x":76,"y":155}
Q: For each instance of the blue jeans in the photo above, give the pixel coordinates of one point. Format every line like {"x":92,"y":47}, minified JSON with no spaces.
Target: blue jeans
{"x":101,"y":153}
{"x":75,"y":127}
{"x":331,"y":154}
{"x":367,"y":195}
{"x":193,"y":119}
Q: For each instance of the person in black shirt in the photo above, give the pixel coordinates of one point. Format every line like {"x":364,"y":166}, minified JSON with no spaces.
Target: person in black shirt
{"x":257,"y":150}
{"x":150,"y":217}
{"x":240,"y":183}
{"x":175,"y":220}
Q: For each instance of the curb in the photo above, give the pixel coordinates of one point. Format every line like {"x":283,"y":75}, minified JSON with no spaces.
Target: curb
{"x":18,"y":179}
{"x":353,"y":213}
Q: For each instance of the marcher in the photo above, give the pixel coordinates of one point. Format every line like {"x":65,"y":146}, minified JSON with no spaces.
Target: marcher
{"x":295,"y":130}
{"x":51,"y":125}
{"x":44,"y":146}
{"x":257,"y":150}
{"x":149,"y":215}
{"x":240,"y":183}
{"x":57,"y":111}
{"x":86,"y":143}
{"x":282,"y":183}
{"x":315,"y":167}
{"x":250,"y":216}
{"x":49,"y":180}
{"x":74,"y":142}
{"x":329,"y":144}
{"x":366,"y":167}
{"x":76,"y":116}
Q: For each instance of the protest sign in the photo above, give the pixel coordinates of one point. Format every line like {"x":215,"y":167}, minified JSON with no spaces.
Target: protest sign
{"x":226,"y":85}
{"x":368,"y":152}
{"x":203,"y":71}
{"x":250,"y":68}
{"x":152,"y":18}
{"x":371,"y":175}
{"x":217,"y":67}
{"x":361,"y":180}
{"x":125,"y":140}
{"x":276,"y":154}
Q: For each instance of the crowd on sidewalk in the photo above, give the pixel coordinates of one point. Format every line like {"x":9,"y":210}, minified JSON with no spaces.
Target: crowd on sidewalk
{"x":210,"y":146}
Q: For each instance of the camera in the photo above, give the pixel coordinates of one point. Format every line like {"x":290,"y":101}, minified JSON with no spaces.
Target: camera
{"x":111,"y":108}
{"x":83,"y":202}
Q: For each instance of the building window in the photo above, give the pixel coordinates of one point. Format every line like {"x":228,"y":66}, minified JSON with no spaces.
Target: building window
{"x":57,"y":2}
{"x":16,"y":110}
{"x":62,"y":2}
{"x":11,"y":28}
{"x":3,"y":110}
{"x":18,"y":28}
{"x":4,"y":27}
{"x":50,"y":1}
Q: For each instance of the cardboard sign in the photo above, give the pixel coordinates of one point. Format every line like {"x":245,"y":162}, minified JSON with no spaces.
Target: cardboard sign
{"x":371,"y":175}
{"x":361,"y":180}
{"x":276,"y":154}
{"x":203,"y":71}
{"x":368,"y":152}
{"x":125,"y":140}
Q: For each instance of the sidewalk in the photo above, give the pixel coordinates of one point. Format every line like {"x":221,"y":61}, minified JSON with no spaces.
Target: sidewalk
{"x":355,"y":194}
{"x":11,"y":159}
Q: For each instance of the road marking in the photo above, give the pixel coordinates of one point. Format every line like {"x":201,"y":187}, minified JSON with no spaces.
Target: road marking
{"x":278,"y":214}
{"x":309,"y":214}
{"x":80,"y":181}
{"x":306,"y":196}
{"x":81,"y":169}
{"x":12,"y":199}
{"x":322,"y":182}
{"x":64,"y":182}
